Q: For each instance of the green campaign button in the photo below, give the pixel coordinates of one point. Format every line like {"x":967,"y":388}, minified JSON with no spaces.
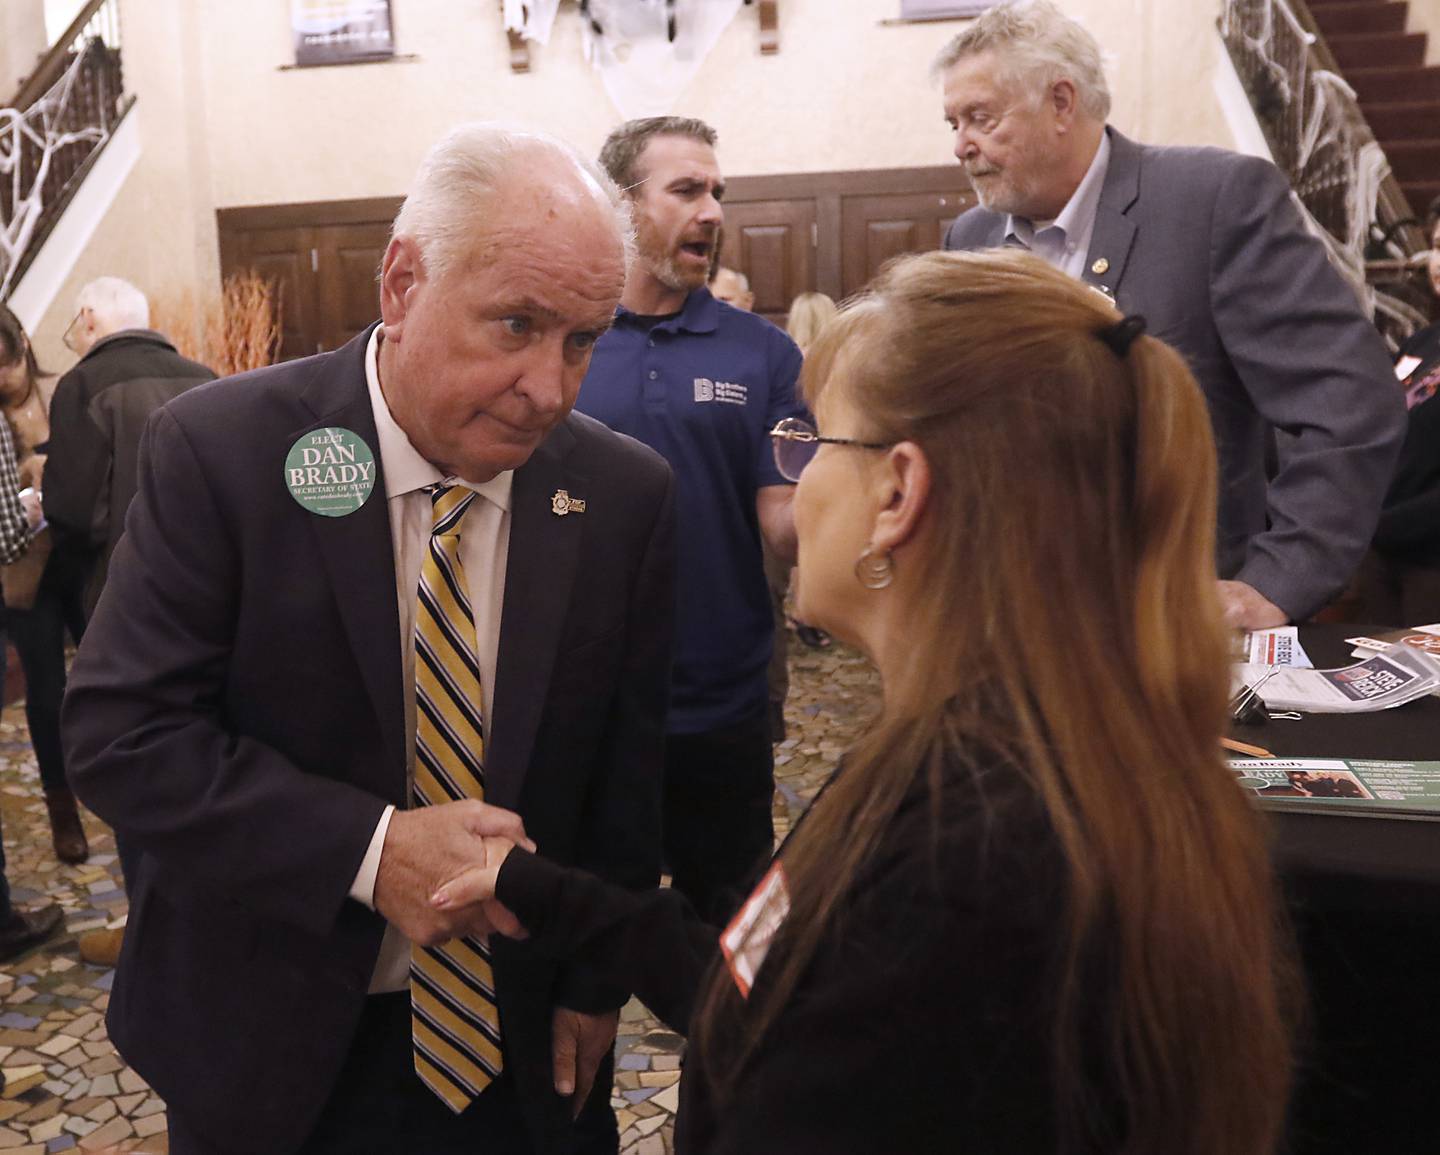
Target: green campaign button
{"x":330,"y":471}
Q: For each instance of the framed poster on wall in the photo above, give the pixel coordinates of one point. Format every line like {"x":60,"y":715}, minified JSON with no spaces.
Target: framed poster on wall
{"x":920,"y":10}
{"x":340,"y":31}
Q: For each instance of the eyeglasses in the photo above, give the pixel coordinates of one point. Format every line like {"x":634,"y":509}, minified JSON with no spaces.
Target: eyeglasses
{"x":67,"y":338}
{"x":796,"y":442}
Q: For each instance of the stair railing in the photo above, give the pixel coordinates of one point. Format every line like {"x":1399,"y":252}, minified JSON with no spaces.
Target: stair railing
{"x":62,"y":116}
{"x":1318,"y":135}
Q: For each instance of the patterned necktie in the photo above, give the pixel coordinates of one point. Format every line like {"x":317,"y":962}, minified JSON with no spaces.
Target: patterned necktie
{"x":455,"y":1023}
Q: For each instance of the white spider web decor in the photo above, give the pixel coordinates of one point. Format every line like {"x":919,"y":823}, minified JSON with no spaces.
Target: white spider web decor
{"x":1316,"y":131}
{"x":39,"y":127}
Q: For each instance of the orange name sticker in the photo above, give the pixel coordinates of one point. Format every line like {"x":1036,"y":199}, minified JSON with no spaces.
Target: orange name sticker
{"x":746,"y":941}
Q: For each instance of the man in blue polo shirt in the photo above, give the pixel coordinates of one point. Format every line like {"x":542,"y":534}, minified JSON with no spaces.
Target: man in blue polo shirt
{"x":703,"y":384}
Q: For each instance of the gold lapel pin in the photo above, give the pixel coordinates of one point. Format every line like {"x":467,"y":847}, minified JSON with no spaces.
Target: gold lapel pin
{"x":1100,"y":267}
{"x":562,"y":503}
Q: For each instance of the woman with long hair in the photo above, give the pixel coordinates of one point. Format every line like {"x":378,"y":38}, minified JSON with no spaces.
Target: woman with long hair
{"x":809,"y":314}
{"x":1032,"y":912}
{"x":38,"y":630}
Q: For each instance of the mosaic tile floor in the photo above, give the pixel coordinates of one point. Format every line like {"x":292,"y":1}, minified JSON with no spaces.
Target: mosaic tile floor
{"x":67,"y":1090}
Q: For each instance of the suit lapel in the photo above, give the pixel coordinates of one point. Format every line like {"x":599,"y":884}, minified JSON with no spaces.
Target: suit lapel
{"x":1114,"y":232}
{"x":539,"y":577}
{"x":358,"y":557}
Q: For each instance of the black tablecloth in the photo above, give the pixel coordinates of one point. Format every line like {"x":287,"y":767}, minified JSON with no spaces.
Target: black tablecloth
{"x":1364,"y":892}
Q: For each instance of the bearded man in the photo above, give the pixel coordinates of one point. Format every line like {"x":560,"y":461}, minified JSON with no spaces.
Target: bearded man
{"x":703,"y":384}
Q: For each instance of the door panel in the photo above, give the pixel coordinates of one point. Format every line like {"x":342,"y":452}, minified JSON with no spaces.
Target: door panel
{"x":773,"y":243}
{"x":283,"y":255}
{"x":876,"y":228}
{"x":350,"y":258}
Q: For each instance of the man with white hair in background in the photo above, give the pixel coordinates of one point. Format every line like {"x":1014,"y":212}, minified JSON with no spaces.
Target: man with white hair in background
{"x":364,"y":601}
{"x":733,"y":287}
{"x":1208,"y":247}
{"x":126,"y":371}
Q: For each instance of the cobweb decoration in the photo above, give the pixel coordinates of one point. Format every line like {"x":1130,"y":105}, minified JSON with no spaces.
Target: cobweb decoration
{"x":648,"y":51}
{"x":1316,"y":132}
{"x":39,"y":127}
{"x":533,"y":19}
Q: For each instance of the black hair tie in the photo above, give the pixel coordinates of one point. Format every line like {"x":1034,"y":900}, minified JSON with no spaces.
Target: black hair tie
{"x":1121,"y":335}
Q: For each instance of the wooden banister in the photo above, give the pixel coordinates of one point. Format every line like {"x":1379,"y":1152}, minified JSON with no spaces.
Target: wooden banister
{"x":56,"y":60}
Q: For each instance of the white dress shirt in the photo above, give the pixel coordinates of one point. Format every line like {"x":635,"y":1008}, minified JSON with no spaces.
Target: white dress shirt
{"x":484,"y":552}
{"x":1064,"y":242}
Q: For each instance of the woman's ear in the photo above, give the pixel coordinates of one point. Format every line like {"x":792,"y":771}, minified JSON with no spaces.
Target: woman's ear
{"x":904,"y":495}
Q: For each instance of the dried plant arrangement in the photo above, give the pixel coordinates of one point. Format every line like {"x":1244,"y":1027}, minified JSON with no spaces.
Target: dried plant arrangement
{"x":232,"y":332}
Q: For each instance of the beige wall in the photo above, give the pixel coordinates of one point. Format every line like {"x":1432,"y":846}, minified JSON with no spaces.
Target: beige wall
{"x":844,"y":92}
{"x":160,"y":231}
{"x":22,"y":42}
{"x":226,"y":124}
{"x":1424,"y":16}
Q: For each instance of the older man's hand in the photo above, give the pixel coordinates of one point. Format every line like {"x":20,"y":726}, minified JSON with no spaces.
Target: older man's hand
{"x":426,"y":848}
{"x":1248,"y":609}
{"x":580,"y":1042}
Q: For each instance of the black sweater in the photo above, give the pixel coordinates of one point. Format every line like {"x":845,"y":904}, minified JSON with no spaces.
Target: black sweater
{"x":922,"y":1025}
{"x":1409,"y":529}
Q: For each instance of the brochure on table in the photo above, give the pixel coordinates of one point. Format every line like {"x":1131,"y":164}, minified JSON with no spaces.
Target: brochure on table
{"x":1343,"y":785}
{"x":1379,"y":682}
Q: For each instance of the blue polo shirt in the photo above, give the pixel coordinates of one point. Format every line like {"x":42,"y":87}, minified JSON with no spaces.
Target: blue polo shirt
{"x":704,"y":388}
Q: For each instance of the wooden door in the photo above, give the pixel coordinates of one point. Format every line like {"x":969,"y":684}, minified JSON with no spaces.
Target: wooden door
{"x":874,"y":228}
{"x":349,"y":258}
{"x":325,"y":259}
{"x":283,"y":255}
{"x":773,"y":243}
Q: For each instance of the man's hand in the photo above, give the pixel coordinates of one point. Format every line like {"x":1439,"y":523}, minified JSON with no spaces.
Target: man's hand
{"x":1248,"y":609}
{"x":423,"y":850}
{"x":579,"y":1043}
{"x":775,"y":509}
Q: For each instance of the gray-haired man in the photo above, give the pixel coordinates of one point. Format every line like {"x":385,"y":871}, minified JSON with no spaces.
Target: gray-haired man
{"x":357,"y":594}
{"x":1208,"y":246}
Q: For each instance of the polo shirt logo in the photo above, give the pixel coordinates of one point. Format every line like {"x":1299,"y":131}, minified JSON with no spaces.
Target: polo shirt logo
{"x":731,"y":392}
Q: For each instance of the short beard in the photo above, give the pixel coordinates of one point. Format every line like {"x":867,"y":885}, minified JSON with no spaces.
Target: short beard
{"x":1003,"y":197}
{"x":668,"y":273}
{"x":662,"y":264}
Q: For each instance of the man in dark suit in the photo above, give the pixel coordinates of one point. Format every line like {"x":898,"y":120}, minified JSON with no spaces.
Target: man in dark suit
{"x":1208,"y":247}
{"x":261,"y":693}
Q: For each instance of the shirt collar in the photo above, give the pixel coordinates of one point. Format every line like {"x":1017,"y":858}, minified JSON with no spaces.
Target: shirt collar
{"x":400,"y":463}
{"x":1079,"y":211}
{"x":699,"y":314}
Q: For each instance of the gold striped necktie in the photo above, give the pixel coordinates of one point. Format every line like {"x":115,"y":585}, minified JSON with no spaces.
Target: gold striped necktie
{"x":455,"y":1023}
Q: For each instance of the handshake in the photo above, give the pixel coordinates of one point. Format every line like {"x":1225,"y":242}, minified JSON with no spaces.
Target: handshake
{"x":438,"y":866}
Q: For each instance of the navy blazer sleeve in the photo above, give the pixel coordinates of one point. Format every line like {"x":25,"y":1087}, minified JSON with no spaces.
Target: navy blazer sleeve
{"x":619,"y":836}
{"x":1316,"y":370}
{"x":147,"y":740}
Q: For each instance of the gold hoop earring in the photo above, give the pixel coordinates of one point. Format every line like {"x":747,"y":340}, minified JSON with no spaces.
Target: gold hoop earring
{"x":875,"y":571}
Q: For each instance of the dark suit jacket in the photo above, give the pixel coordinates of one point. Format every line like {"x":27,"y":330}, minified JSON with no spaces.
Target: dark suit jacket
{"x":1207,"y":244}
{"x":236,"y":713}
{"x":96,"y":417}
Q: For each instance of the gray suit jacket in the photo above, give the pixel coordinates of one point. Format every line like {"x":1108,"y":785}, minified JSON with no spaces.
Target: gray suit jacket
{"x":1207,"y":244}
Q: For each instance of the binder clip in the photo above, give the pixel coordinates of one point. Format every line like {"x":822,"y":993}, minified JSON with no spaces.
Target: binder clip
{"x":1247,"y":708}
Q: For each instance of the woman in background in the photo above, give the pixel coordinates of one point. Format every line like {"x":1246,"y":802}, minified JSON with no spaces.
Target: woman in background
{"x":809,"y":314}
{"x":38,"y":631}
{"x":1033,"y":912}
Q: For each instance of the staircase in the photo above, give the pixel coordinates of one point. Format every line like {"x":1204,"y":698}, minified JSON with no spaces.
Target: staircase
{"x":1398,"y":94}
